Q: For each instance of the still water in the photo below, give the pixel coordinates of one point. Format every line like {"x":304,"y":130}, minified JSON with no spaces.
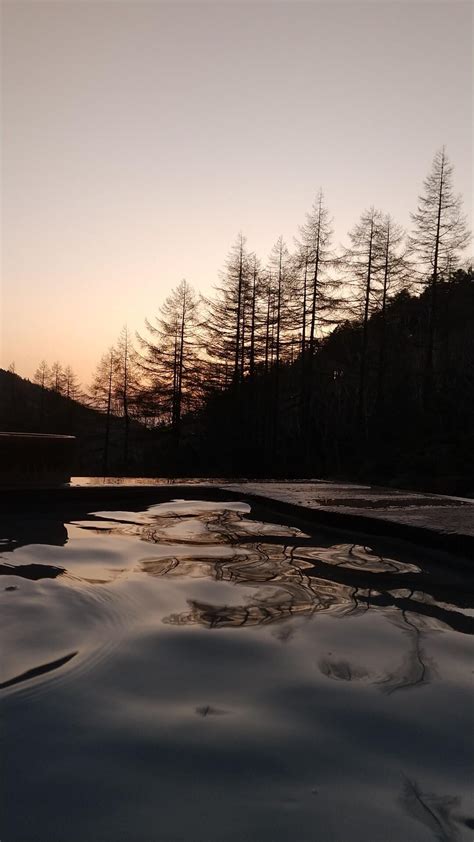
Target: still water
{"x":195,"y":673}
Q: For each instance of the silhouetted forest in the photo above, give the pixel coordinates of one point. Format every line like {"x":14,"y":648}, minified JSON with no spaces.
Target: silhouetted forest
{"x":27,"y":407}
{"x":350,"y":362}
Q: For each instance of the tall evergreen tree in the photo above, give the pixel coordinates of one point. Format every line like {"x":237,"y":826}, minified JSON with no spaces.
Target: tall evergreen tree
{"x":281,"y":282}
{"x":56,"y":378}
{"x":393,"y":271}
{"x":315,"y":259}
{"x":170,"y":356}
{"x":439,"y":235}
{"x":363,"y":260}
{"x":126,"y":385}
{"x":102,"y":398}
{"x":227,"y":313}
{"x":42,"y":377}
{"x":71,"y":384}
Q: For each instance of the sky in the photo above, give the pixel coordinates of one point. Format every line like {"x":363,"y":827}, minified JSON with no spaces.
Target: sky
{"x":139,"y":138}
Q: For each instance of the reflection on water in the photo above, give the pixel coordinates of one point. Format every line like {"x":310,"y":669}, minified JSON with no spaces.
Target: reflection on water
{"x":436,"y":812}
{"x":31,"y":571}
{"x":316,"y":667}
{"x":40,"y":670}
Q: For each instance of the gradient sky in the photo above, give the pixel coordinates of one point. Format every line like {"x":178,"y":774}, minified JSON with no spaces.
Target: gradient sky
{"x":139,"y":138}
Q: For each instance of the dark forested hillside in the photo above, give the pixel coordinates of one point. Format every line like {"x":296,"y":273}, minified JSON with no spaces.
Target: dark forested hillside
{"x":316,"y":429}
{"x":27,"y":407}
{"x":304,"y":419}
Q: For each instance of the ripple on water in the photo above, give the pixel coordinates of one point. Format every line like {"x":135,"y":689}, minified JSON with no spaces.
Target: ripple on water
{"x":191,"y":673}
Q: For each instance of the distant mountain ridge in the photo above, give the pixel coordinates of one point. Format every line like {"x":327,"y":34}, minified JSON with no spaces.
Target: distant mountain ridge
{"x":26,"y":407}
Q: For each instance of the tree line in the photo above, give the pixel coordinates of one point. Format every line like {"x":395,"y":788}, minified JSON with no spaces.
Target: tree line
{"x":294,"y":365}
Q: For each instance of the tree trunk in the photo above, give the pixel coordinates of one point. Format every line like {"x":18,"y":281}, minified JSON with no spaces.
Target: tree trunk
{"x":365,"y":335}
{"x":429,"y":365}
{"x":383,"y":332}
{"x":107,"y":421}
{"x":252,"y":326}
{"x":239,"y":305}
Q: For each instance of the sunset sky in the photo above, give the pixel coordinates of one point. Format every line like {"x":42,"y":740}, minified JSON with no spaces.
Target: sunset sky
{"x":139,"y":138}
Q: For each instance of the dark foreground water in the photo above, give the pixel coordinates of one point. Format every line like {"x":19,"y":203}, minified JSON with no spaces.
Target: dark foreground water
{"x":190,"y":674}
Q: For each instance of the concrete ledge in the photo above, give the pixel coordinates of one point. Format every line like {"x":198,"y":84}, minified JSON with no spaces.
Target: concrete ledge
{"x":458,"y":543}
{"x":433,"y":521}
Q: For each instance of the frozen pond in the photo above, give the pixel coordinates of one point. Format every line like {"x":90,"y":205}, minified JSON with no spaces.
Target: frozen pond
{"x":194,"y":673}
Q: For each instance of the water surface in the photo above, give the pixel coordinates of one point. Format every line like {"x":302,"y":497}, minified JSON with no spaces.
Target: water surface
{"x":194,"y":673}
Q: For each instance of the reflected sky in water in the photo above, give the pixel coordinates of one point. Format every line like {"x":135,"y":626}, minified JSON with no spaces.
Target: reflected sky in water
{"x":196,"y":673}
